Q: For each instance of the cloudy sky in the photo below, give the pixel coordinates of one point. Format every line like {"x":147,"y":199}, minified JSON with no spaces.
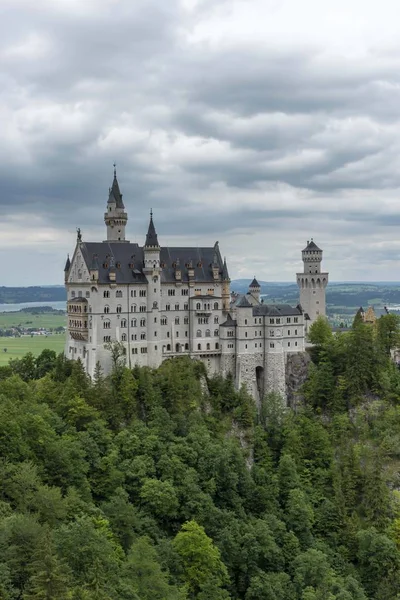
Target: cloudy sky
{"x":258,"y":123}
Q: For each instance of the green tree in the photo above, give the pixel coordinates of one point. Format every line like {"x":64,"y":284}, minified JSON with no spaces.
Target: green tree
{"x":320,"y":331}
{"x":201,"y":560}
{"x":388,"y":331}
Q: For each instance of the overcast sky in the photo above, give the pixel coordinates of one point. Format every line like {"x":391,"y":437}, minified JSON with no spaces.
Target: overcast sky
{"x":258,"y":123}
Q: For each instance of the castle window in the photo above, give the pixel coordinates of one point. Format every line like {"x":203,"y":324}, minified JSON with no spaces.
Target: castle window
{"x":133,"y":308}
{"x":119,"y":309}
{"x":259,"y":321}
{"x":216,"y":320}
{"x":184,"y":292}
{"x":245,"y":321}
{"x":168,"y":347}
{"x":168,"y":307}
{"x":167,"y":334}
{"x":171,"y":292}
{"x":87,"y":294}
{"x":155,"y":347}
{"x":288,"y":343}
{"x":142,"y":308}
{"x":295,"y":332}
{"x":245,"y":334}
{"x":272,"y":333}
{"x":177,"y":347}
{"x":142,"y":336}
{"x":143,"y":350}
{"x":198,"y":346}
{"x":134,"y":351}
{"x":155,"y":279}
{"x":288,"y":331}
{"x":176,"y":320}
{"x":296,"y":319}
{"x":155,"y":334}
{"x":260,"y":345}
{"x":133,"y":323}
{"x":288,"y":320}
{"x":123,"y":323}
{"x":278,"y":321}
{"x":272,"y":321}
{"x":186,"y":321}
{"x":123,"y":337}
{"x":186,"y":346}
{"x":134,"y":337}
{"x":260,"y":334}
{"x":271,"y":345}
{"x":198,"y":306}
{"x":133,"y":293}
{"x":295,"y":343}
{"x":142,"y":322}
{"x":155,"y":319}
{"x":215,"y":332}
{"x":107,"y":324}
{"x":142,"y":293}
{"x":245,"y":346}
{"x":255,"y":344}
{"x":186,"y":333}
{"x":198,"y":333}
{"x":216,"y":306}
{"x":176,"y":306}
{"x":208,"y":333}
{"x":217,"y":346}
{"x":73,"y":294}
{"x":256,"y":333}
{"x":186,"y":307}
{"x":118,"y":294}
{"x":208,"y":346}
{"x":164,"y":321}
{"x":155,"y":304}
{"x":106,"y":338}
{"x":106,"y":310}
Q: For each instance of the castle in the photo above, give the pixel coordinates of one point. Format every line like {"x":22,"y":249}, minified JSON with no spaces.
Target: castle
{"x":161,"y":302}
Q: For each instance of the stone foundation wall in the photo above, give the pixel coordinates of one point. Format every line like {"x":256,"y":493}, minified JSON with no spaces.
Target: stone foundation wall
{"x":228,"y":365}
{"x":275,"y":374}
{"x":297,"y":365}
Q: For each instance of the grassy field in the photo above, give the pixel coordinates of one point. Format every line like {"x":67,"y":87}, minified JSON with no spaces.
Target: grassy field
{"x":45,"y":320}
{"x":17,"y":347}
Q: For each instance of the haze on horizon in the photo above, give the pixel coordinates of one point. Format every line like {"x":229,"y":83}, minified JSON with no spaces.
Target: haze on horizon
{"x":258,"y":123}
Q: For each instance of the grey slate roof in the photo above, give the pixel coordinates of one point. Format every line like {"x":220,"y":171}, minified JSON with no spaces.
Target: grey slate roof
{"x":225,"y":274}
{"x":115,"y":193}
{"x":254,"y":284}
{"x":276,"y":310}
{"x":67,"y":264}
{"x":129,"y":257}
{"x":243,"y":303}
{"x":229,"y":322}
{"x":312,"y":246}
{"x":151,"y":237}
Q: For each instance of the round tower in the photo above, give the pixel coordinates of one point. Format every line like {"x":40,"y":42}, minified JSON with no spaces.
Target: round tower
{"x":115,"y":216}
{"x":255,"y":289}
{"x":152,"y":270}
{"x":312,"y":282}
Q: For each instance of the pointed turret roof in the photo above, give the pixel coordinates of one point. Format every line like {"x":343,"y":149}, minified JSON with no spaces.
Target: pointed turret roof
{"x":115,"y":193}
{"x":225,"y":274}
{"x":151,"y":237}
{"x":67,"y":264}
{"x":311,"y":246}
{"x":254,"y":283}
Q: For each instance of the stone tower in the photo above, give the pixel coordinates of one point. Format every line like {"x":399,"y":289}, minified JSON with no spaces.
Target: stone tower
{"x":226,"y":288}
{"x":115,"y":216}
{"x":255,"y":289}
{"x":312,"y":282}
{"x":152,"y":271}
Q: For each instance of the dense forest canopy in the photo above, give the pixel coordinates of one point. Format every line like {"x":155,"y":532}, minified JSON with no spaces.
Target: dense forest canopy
{"x":166,"y":485}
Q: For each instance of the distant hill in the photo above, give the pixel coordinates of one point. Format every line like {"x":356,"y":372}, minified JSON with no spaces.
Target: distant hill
{"x":16,"y":295}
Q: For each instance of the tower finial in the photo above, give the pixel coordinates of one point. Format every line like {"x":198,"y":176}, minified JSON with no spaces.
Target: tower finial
{"x":115,"y":168}
{"x":151,"y":213}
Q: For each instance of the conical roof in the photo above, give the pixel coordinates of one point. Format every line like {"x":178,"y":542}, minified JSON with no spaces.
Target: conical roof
{"x":67,"y":264}
{"x":254,"y":284}
{"x":225,"y":274}
{"x":115,"y":193}
{"x":151,"y":237}
{"x":311,"y":246}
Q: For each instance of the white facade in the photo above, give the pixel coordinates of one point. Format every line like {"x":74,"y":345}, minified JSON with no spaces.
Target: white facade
{"x":312,"y":283}
{"x":162,"y":302}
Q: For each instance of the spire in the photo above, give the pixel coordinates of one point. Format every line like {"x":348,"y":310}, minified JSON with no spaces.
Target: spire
{"x":254,"y":283}
{"x":225,"y":274}
{"x":151,"y":237}
{"x":67,"y":264}
{"x":115,"y":193}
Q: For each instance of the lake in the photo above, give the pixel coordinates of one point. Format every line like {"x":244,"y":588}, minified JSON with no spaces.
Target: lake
{"x":60,"y":305}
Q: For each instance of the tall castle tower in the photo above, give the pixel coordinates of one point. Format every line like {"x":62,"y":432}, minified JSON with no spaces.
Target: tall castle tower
{"x":312,"y":282}
{"x":115,"y":216}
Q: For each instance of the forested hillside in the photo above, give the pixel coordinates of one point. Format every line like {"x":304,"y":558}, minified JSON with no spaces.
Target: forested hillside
{"x":162,"y":485}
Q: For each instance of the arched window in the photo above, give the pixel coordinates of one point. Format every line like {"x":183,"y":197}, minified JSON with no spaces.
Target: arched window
{"x":176,"y":306}
{"x":106,"y":310}
{"x":177,"y":347}
{"x":216,"y":320}
{"x":198,"y":306}
{"x":208,"y":333}
{"x":215,"y":305}
{"x":142,"y":308}
{"x":123,"y":323}
{"x":198,"y":333}
{"x":133,"y":308}
{"x":123,"y":337}
{"x":168,"y":347}
{"x":168,"y":307}
{"x":215,"y":332}
{"x":155,"y":304}
{"x":198,"y":346}
{"x":119,"y":308}
{"x":164,"y":321}
{"x":216,"y":346}
{"x":186,"y":346}
{"x":208,"y":346}
{"x":133,"y":323}
{"x":142,"y":322}
{"x":106,"y":294}
{"x":106,"y":324}
{"x":118,"y":294}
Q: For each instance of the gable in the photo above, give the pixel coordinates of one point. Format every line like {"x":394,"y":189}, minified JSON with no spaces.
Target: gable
{"x":78,"y":272}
